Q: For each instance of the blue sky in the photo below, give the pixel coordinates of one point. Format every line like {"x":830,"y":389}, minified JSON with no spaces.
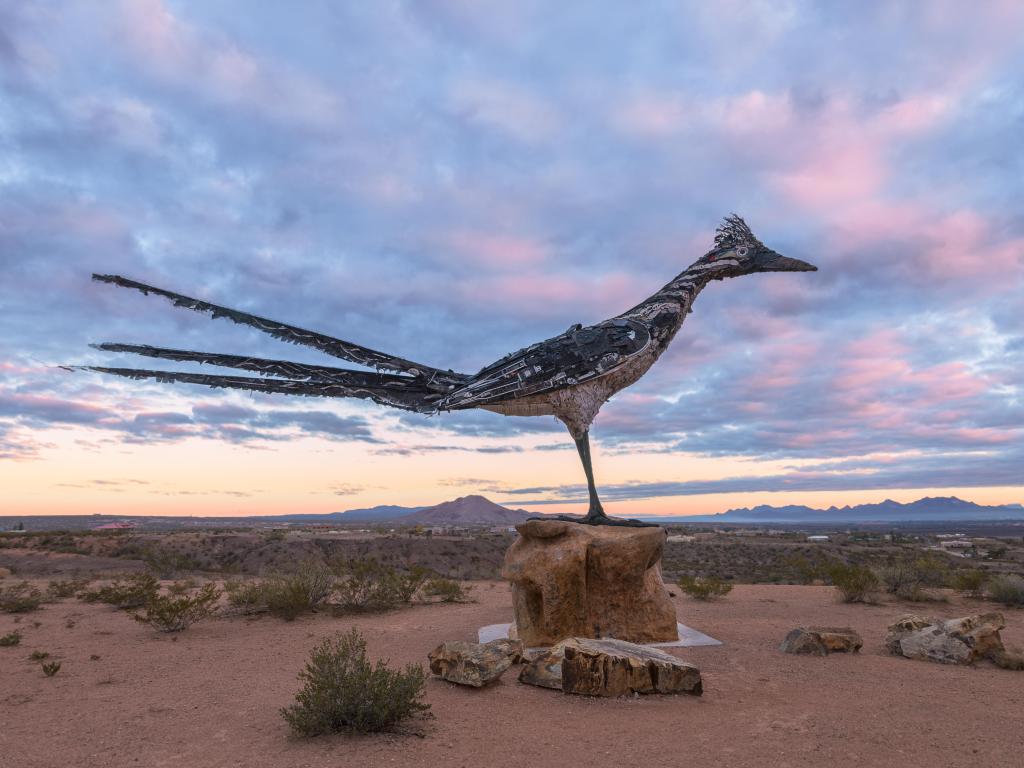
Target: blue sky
{"x":451,"y":181}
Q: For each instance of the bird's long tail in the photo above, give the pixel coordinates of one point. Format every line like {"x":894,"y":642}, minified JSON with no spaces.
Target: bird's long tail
{"x":346,"y":350}
{"x":412,"y":386}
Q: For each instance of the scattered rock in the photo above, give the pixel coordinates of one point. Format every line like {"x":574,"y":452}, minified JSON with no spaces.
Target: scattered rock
{"x":475,"y":664}
{"x":571,"y":580}
{"x":608,"y":667}
{"x":953,"y":641}
{"x":821,"y":641}
{"x":4,"y":573}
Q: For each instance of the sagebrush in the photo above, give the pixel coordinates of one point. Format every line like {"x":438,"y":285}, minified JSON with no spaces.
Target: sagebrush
{"x":1008,"y":590}
{"x":855,"y":583}
{"x":704,"y":587}
{"x":174,"y":613}
{"x":10,"y":639}
{"x":133,"y":591}
{"x":20,"y":598}
{"x":342,"y":691}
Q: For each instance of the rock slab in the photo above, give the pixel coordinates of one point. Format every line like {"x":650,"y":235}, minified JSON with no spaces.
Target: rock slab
{"x":951,"y":641}
{"x":474,"y":664}
{"x":572,"y":580}
{"x":821,"y":641}
{"x":606,"y":667}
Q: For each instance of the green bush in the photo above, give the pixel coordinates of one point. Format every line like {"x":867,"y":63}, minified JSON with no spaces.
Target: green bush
{"x":1008,"y":590}
{"x":10,"y":639}
{"x":132,"y":592}
{"x":61,"y":588}
{"x":342,"y":691}
{"x":910,"y":579}
{"x":366,"y":585}
{"x":289,"y":595}
{"x":855,"y":583}
{"x":805,"y":570}
{"x":38,"y":655}
{"x":20,"y":598}
{"x":173,"y":613}
{"x":704,"y":587}
{"x":970,"y":581}
{"x":246,"y":597}
{"x":51,"y":668}
{"x":448,"y":590}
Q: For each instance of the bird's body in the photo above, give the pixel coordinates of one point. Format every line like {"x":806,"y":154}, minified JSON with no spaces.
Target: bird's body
{"x":569,"y":376}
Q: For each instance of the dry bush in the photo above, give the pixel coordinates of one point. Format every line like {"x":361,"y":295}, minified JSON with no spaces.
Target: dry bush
{"x":704,"y":587}
{"x":10,"y":639}
{"x":1008,"y":590}
{"x":342,"y":691}
{"x":51,"y":668}
{"x":246,"y":597}
{"x":910,"y":579}
{"x":855,"y":583}
{"x":367,"y":585}
{"x":133,"y":591}
{"x":20,"y":598}
{"x":174,"y":613}
{"x":970,"y":581}
{"x":38,"y":655}
{"x":62,"y":588}
{"x":448,"y":590}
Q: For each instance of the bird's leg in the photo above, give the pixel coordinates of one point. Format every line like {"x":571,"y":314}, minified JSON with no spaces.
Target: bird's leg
{"x":595,"y":515}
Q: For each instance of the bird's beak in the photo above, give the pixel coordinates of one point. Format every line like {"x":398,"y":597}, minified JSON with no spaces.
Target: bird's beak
{"x":776,"y":262}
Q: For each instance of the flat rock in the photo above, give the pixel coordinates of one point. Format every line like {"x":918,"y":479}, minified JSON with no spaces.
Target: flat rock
{"x":572,"y":580}
{"x":609,"y":667}
{"x":474,"y":664}
{"x":821,"y":641}
{"x":951,"y":641}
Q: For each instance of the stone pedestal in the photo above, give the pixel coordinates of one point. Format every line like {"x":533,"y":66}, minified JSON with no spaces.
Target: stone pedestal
{"x":572,"y":580}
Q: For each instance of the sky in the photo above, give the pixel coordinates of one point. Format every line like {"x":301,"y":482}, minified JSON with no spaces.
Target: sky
{"x":452,"y":180}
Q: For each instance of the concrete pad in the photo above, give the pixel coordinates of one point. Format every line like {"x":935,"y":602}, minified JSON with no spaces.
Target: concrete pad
{"x":688,"y":636}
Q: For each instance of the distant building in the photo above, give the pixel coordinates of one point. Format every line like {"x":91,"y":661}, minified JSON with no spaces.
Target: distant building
{"x":956,"y":544}
{"x":817,"y":538}
{"x":120,"y":526}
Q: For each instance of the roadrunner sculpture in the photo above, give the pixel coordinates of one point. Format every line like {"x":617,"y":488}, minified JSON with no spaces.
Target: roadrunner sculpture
{"x":569,"y":376}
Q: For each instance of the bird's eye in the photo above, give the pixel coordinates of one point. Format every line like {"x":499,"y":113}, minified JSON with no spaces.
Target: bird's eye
{"x":742,"y":250}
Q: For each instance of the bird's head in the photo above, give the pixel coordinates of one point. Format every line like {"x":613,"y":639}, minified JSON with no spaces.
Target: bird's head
{"x":738,"y":252}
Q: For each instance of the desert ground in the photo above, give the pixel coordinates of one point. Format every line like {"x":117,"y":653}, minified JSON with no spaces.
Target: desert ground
{"x":210,"y":696}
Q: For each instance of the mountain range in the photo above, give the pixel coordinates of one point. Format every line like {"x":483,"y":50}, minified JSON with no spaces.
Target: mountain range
{"x":465,"y":510}
{"x":940,"y":508}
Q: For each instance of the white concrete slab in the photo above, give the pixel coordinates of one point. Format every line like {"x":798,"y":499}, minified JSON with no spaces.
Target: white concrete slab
{"x":688,"y":636}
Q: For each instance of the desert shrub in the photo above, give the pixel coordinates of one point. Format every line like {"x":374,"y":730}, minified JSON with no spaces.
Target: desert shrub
{"x":343,"y":691}
{"x":61,"y":588}
{"x":407,"y":585}
{"x":10,"y":639}
{"x":173,"y":613}
{"x":168,"y":565}
{"x":291,"y":595}
{"x":806,"y":571}
{"x":367,"y":585}
{"x":20,"y":598}
{"x":246,"y":596}
{"x":855,"y":583}
{"x":38,"y":655}
{"x":448,"y":590}
{"x":910,"y":579}
{"x":180,"y":588}
{"x":132,"y":592}
{"x":970,"y":581}
{"x":1008,"y":590}
{"x":51,"y":668}
{"x":704,"y":587}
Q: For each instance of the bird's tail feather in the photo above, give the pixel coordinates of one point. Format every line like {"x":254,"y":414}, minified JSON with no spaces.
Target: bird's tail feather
{"x":282,"y":368}
{"x":434,"y":378}
{"x":412,"y":397}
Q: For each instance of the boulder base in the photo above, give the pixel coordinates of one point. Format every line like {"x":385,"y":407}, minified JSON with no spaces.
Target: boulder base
{"x":572,"y":580}
{"x":953,"y":641}
{"x":821,"y":641}
{"x":475,"y":664}
{"x":594,"y":667}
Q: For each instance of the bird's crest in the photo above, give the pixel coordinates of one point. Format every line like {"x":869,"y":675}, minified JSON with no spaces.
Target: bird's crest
{"x":733,"y":231}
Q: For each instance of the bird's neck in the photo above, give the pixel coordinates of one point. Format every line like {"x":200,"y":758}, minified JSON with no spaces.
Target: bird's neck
{"x":664,"y":312}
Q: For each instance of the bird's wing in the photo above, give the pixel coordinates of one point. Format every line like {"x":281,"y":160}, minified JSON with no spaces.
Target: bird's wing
{"x":436,"y":378}
{"x":575,"y":356}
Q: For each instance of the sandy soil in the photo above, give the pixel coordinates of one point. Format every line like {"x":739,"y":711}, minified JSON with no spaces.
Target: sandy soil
{"x":211,"y":697}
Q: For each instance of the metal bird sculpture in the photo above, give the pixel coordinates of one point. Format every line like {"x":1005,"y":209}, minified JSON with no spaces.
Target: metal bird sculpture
{"x":569,"y":376}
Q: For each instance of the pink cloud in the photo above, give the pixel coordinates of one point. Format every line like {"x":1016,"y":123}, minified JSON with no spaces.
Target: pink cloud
{"x":496,"y":249}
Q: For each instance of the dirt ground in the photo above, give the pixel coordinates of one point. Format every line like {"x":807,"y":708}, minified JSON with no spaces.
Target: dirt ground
{"x":210,"y":696}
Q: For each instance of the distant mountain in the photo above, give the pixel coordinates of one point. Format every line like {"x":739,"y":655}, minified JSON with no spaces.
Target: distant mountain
{"x":368,"y":514}
{"x":465,"y":510}
{"x":942,"y":508}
